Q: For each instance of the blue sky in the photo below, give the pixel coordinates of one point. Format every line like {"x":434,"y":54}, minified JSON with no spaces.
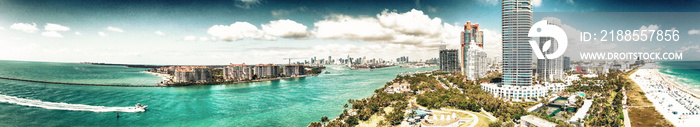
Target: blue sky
{"x":261,"y":31}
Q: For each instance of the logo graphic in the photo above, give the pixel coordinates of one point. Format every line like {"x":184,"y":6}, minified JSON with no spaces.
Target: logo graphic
{"x":542,"y":29}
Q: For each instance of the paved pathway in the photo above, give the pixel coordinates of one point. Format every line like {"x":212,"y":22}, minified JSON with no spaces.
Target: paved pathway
{"x":624,"y":108}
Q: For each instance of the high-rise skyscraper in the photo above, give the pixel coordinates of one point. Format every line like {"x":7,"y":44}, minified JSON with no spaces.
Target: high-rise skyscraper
{"x":517,"y":53}
{"x":471,"y":33}
{"x":449,"y":61}
{"x":567,"y":63}
{"x":550,"y":70}
{"x":476,"y":62}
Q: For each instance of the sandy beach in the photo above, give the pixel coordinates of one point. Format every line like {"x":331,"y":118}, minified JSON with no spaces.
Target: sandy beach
{"x":677,"y":103}
{"x":166,"y":77}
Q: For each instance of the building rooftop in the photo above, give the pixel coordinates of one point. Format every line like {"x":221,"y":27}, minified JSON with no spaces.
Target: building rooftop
{"x":537,"y":121}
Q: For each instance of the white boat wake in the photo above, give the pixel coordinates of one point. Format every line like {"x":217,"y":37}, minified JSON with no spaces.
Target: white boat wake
{"x":65,"y":106}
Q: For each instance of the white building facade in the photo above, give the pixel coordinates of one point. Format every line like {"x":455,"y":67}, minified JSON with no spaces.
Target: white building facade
{"x":517,"y":93}
{"x":476,"y":62}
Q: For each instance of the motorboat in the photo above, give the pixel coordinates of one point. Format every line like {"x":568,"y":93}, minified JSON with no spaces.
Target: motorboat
{"x":138,"y":105}
{"x":328,"y":72}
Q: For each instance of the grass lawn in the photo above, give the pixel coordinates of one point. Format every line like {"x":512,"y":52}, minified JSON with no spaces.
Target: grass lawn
{"x":642,"y":116}
{"x":613,"y":94}
{"x":634,"y":96}
{"x":647,"y":117}
{"x":373,"y":120}
{"x":483,"y":121}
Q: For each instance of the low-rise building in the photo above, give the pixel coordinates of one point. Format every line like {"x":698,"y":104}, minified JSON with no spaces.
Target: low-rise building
{"x":398,"y":88}
{"x":535,"y":121}
{"x":518,"y":93}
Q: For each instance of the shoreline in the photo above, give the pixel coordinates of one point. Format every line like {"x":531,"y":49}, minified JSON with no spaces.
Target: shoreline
{"x":165,"y":77}
{"x":677,"y":84}
{"x":674,"y":101}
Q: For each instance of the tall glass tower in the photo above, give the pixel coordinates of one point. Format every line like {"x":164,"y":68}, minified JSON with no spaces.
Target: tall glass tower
{"x":550,"y":70}
{"x":517,"y":54}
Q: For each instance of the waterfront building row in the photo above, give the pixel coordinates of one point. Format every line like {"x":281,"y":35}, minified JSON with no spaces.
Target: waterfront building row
{"x":532,"y":92}
{"x":239,"y":72}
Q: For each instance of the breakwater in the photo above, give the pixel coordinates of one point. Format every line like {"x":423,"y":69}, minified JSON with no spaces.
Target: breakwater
{"x":84,"y":84}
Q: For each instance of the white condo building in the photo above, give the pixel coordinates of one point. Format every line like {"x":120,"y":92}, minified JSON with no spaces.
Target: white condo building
{"x":476,"y":62}
{"x":522,"y":92}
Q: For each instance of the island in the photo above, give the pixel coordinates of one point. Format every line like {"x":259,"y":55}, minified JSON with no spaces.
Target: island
{"x":190,"y":75}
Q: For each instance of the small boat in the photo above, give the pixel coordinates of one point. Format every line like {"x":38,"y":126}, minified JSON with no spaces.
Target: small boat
{"x":328,"y":72}
{"x":138,"y":105}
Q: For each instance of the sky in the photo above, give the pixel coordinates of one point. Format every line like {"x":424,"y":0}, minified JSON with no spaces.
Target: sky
{"x":266,"y":31}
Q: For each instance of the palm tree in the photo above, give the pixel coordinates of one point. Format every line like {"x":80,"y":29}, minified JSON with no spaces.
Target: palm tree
{"x":413,"y":113}
{"x":324,"y":120}
{"x":314,"y":124}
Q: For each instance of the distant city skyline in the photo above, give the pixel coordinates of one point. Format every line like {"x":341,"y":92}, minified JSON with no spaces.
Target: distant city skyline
{"x":255,"y":31}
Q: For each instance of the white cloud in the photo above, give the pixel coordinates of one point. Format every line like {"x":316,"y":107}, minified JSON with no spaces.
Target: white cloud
{"x":410,"y":28}
{"x":285,"y":28}
{"x":115,"y":29}
{"x":282,"y":12}
{"x":1,"y":28}
{"x":55,"y":27}
{"x":350,"y":28}
{"x":432,"y":9}
{"x":203,"y":39}
{"x":238,"y":31}
{"x":649,"y":29}
{"x":694,"y":32}
{"x":51,"y":34}
{"x":536,"y":3}
{"x":490,"y":2}
{"x":78,"y":33}
{"x":189,"y":38}
{"x":102,"y":34}
{"x":695,"y":48}
{"x":160,"y":33}
{"x":413,"y":22}
{"x":570,"y":2}
{"x":26,"y":27}
{"x":246,"y":4}
{"x":492,"y":43}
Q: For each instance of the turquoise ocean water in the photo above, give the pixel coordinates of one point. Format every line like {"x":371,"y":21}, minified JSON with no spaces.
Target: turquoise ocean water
{"x":291,"y":102}
{"x":684,"y":72}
